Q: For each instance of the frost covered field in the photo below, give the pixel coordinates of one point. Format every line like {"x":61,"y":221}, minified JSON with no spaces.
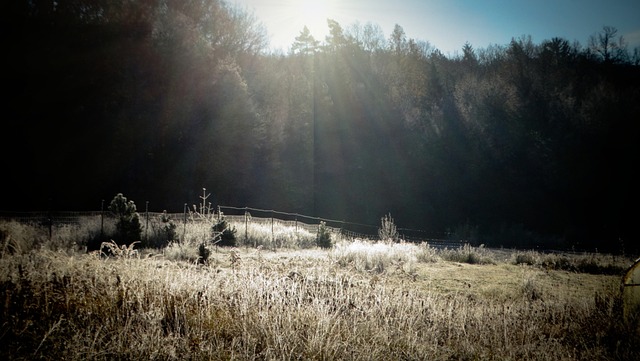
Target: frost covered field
{"x":356,"y":301}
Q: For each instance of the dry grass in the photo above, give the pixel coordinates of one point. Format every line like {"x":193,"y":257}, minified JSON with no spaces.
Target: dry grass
{"x":358,"y":301}
{"x":272,"y":236}
{"x":283,"y":300}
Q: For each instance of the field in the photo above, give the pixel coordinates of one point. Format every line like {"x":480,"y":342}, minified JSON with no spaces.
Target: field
{"x":356,"y":301}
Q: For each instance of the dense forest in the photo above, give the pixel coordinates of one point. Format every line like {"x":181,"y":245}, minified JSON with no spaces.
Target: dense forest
{"x":513,"y":144}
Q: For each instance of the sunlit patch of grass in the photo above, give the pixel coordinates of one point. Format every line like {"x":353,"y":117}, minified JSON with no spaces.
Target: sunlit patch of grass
{"x":276,"y":235}
{"x":377,"y":257}
{"x":21,"y":237}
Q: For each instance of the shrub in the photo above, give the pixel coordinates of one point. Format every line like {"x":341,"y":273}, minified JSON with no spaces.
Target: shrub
{"x":388,"y":230}
{"x":203,"y":253}
{"x":182,"y":251}
{"x":426,"y":253}
{"x":530,"y":258}
{"x":111,"y":249}
{"x":323,"y":238}
{"x":159,"y":231}
{"x":530,"y":289}
{"x":222,"y":234}
{"x":128,"y":221}
{"x":18,"y":238}
{"x":467,"y":254}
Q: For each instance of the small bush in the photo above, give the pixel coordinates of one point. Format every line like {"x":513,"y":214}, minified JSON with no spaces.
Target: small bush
{"x":467,"y":254}
{"x":323,"y":238}
{"x":19,"y":238}
{"x":222,"y":234}
{"x":530,"y":258}
{"x":530,"y":289}
{"x":388,"y":231}
{"x":162,"y":233}
{"x":185,"y":251}
{"x":128,"y":220}
{"x":426,"y":253}
{"x":203,"y":253}
{"x":586,"y":263}
{"x":112,"y":249}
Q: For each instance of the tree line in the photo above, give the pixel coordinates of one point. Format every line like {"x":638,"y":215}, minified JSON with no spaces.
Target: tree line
{"x":521,"y":143}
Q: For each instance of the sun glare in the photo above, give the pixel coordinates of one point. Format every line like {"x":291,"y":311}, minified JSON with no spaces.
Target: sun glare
{"x":310,"y":9}
{"x":313,"y":14}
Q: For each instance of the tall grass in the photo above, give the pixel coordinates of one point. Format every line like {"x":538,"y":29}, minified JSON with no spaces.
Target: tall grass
{"x":20,"y":237}
{"x":594,"y":263}
{"x":77,"y":307}
{"x":468,"y":254}
{"x":273,"y":236}
{"x":351,"y":302}
{"x":378,"y":257}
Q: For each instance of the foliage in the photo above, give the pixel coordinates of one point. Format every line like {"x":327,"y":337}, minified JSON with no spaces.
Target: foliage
{"x":159,"y":231}
{"x":168,"y":227}
{"x":203,"y":253}
{"x":593,"y":263}
{"x":388,"y":231}
{"x":19,"y":237}
{"x":323,"y":237}
{"x":128,"y":221}
{"x":223,"y":234}
{"x":112,"y":249}
{"x":468,"y":254}
{"x":182,"y":251}
{"x":527,"y":140}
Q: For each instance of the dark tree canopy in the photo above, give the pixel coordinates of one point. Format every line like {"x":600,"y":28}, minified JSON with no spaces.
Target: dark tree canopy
{"x":524,"y":143}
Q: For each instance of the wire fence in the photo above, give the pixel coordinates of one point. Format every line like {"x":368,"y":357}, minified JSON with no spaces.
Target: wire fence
{"x":344,"y":228}
{"x":242,"y":217}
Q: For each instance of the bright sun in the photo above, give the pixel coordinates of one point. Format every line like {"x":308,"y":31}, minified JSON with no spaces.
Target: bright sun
{"x":313,"y":14}
{"x":310,"y":9}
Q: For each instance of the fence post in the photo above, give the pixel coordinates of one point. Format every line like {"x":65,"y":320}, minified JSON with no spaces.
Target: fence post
{"x":184,"y":224}
{"x":246,"y":227}
{"x":50,"y":224}
{"x":146,"y":227}
{"x":296,"y":224}
{"x":273,"y":237}
{"x":102,"y":221}
{"x":219,"y":214}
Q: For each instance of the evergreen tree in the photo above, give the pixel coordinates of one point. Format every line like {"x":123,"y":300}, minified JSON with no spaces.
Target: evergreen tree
{"x":127,"y":219}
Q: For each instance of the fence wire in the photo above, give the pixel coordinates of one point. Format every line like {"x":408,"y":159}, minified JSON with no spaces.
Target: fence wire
{"x":238,"y":215}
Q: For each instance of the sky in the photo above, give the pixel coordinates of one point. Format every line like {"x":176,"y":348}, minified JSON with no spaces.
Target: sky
{"x":449,"y":24}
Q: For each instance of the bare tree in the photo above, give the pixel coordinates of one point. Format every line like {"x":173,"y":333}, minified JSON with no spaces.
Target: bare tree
{"x":610,"y":46}
{"x":373,"y":37}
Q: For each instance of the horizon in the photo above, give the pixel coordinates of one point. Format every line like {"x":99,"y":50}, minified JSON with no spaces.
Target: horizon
{"x":448,"y":25}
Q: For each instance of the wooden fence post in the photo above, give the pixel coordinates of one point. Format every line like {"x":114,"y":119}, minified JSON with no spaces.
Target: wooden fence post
{"x":102,"y":221}
{"x":296,"y":224}
{"x":146,"y":227}
{"x":246,"y":227}
{"x":184,"y":223}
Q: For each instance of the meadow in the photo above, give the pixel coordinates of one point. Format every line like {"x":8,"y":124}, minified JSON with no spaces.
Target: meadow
{"x":359,"y":300}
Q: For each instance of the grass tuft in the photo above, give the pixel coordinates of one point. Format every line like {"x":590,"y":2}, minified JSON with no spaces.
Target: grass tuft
{"x":468,"y":254}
